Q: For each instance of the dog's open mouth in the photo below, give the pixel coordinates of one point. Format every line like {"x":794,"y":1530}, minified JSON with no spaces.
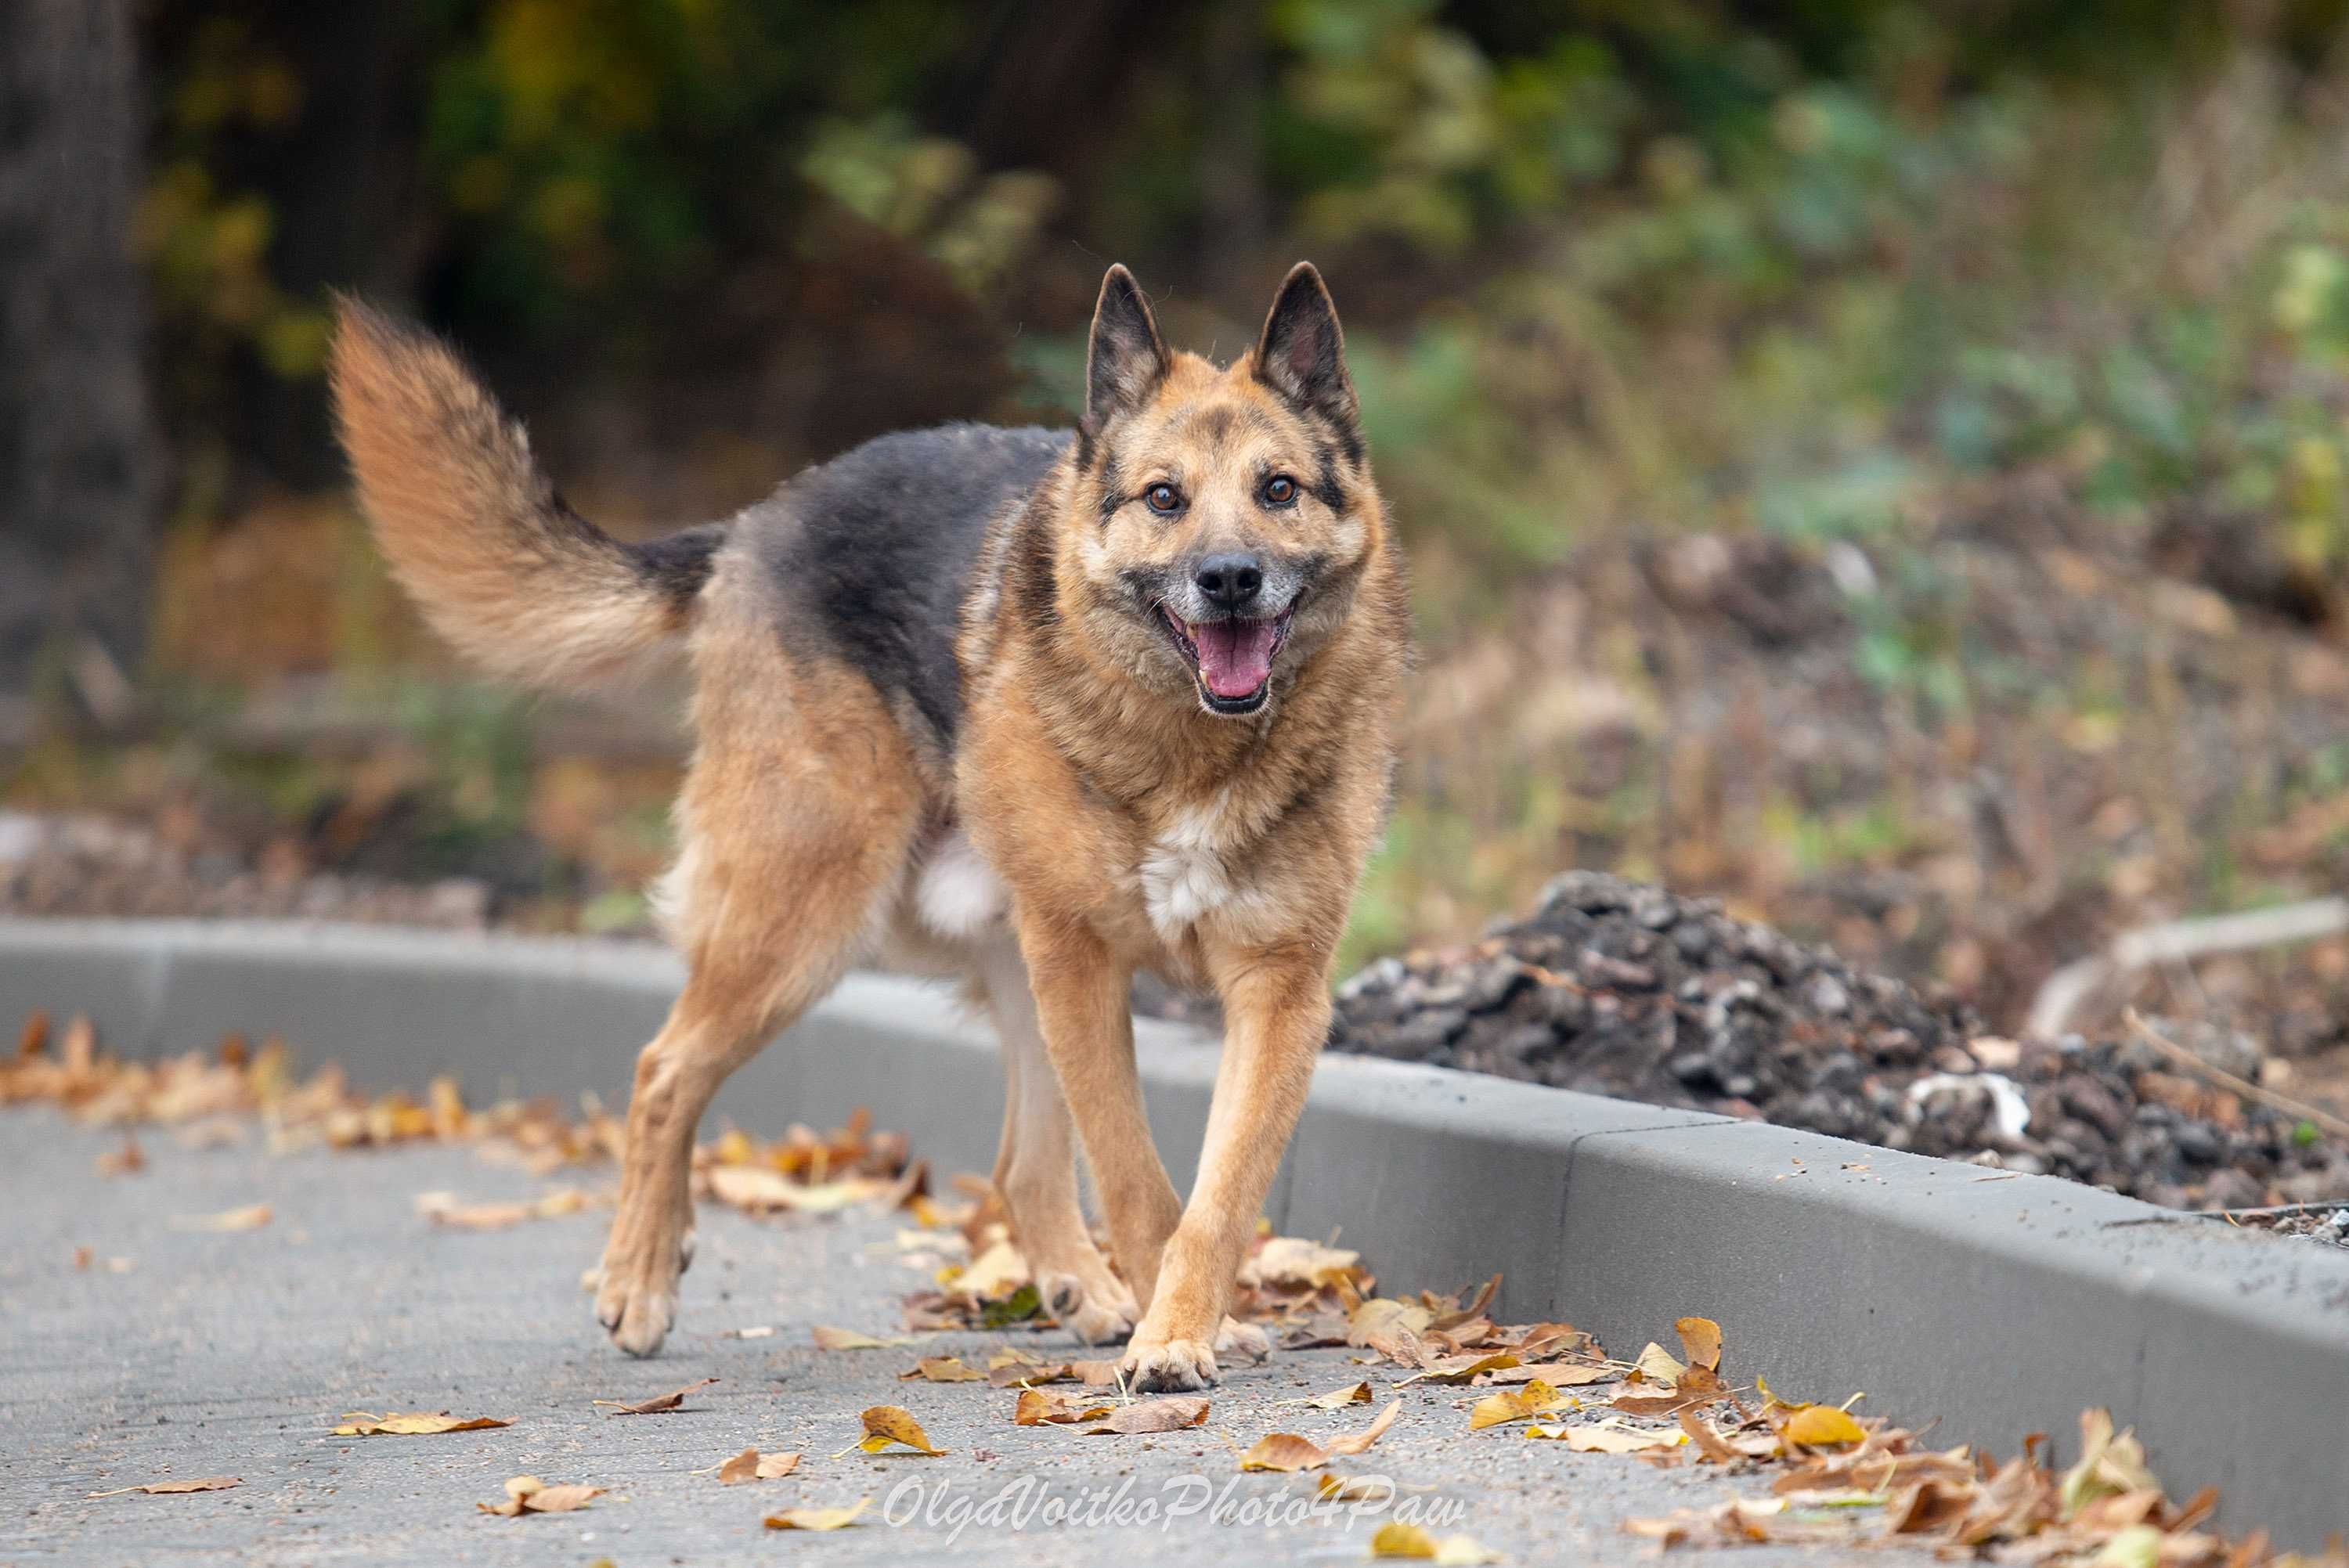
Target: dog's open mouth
{"x":1230,"y":659}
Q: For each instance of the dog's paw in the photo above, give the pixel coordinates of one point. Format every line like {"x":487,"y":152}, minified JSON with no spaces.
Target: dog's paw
{"x":1239,"y":1343}
{"x":1096,"y":1316}
{"x":636,"y":1298}
{"x":1169,"y":1367}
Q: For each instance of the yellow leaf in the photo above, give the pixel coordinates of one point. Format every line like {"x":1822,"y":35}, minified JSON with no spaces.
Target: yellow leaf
{"x":1514,"y":1405}
{"x":1382,"y":1318}
{"x":1409,"y":1540}
{"x":887,"y":1424}
{"x":1461,"y":1368}
{"x":817,"y":1518}
{"x":1822,"y":1426}
{"x":1701,"y":1337}
{"x":411,"y":1424}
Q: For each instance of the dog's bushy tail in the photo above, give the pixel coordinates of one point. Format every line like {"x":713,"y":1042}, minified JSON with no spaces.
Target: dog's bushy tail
{"x":502,"y":567}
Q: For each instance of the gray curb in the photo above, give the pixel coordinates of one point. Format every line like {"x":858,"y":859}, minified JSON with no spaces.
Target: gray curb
{"x":2002,"y":1305}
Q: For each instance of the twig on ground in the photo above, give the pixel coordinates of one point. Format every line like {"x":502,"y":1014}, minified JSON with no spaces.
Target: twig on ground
{"x":2177,"y":1053}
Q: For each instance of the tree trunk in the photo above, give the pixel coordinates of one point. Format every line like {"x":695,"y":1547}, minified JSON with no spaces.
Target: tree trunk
{"x":77,"y":455}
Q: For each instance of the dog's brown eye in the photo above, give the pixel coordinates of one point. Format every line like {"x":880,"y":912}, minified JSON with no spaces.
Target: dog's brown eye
{"x":1163,"y":499}
{"x":1279,"y":491}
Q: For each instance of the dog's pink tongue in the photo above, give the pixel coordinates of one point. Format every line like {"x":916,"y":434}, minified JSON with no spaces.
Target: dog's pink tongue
{"x":1234,"y":656}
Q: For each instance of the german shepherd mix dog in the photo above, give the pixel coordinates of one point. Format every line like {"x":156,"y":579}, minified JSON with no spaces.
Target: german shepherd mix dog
{"x":1027,"y":708}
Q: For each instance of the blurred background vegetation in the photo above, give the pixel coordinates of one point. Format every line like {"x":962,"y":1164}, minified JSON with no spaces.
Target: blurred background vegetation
{"x":1882,"y":463}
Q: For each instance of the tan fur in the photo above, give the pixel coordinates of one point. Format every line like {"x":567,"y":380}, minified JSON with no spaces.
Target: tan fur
{"x":469,"y":525}
{"x":1132,"y":829}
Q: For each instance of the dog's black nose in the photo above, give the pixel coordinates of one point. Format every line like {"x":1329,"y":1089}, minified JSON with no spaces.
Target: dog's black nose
{"x":1229,"y":582}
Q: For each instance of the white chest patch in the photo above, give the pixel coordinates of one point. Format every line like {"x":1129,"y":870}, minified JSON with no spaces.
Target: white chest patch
{"x":1182,"y":875}
{"x":959,"y":895}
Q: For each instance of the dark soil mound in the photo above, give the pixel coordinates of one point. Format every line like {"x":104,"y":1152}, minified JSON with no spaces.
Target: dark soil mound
{"x":1617,"y":988}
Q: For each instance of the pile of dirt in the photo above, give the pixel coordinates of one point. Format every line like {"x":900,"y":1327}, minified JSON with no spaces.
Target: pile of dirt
{"x":1621,"y":988}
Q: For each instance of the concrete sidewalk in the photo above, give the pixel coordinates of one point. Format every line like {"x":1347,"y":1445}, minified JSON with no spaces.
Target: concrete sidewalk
{"x":234,"y":1353}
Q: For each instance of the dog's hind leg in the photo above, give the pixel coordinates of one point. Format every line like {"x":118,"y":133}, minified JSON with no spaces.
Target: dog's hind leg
{"x":798,"y":817}
{"x":1036,"y":1166}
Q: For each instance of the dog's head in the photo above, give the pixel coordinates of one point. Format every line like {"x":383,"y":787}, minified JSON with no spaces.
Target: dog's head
{"x":1223,"y":517}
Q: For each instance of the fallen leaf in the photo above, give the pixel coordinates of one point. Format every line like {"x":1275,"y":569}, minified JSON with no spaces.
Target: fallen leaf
{"x":1396,"y":1539}
{"x":1359,"y":1442}
{"x":251,"y":1217}
{"x":942,"y":1369}
{"x":411,"y":1424}
{"x":124,"y":1162}
{"x":751,"y":1465}
{"x":1608,"y":1439}
{"x":1338,"y":1398}
{"x":1822,"y":1426}
{"x":167,"y":1488}
{"x":1656,"y":1364}
{"x":659,"y":1402}
{"x":1461,"y":1368}
{"x":528,"y":1494}
{"x":1042,"y":1407}
{"x":1514,"y":1405}
{"x":1557,"y":1374}
{"x":817,"y":1518}
{"x":1295,"y":1260}
{"x":888,"y":1424}
{"x":1709,"y":1443}
{"x":443,"y":1208}
{"x":1353,"y":1489}
{"x":827,"y":1338}
{"x":1170,"y":1414}
{"x":1286,"y":1452}
{"x":1701,"y":1337}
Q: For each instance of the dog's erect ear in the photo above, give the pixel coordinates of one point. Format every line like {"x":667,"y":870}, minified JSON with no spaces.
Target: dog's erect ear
{"x":1126,"y":359}
{"x":1302,"y":354}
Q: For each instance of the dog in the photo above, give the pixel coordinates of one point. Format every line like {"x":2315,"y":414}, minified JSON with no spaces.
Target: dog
{"x":1032,"y":709}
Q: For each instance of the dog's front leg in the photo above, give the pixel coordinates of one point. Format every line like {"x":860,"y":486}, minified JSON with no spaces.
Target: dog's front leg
{"x":1277,"y":1007}
{"x":1082,"y":1005}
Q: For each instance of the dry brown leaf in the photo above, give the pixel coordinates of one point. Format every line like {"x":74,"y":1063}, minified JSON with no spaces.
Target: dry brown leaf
{"x":411,"y":1424}
{"x":1286,"y":1452}
{"x":1042,"y":1407}
{"x":885,"y":1425}
{"x":528,"y":1494}
{"x":251,"y":1217}
{"x":1359,"y":1442}
{"x":127,"y":1161}
{"x":942,"y":1369}
{"x":817,"y":1518}
{"x":828,"y":1337}
{"x":1700,"y":1338}
{"x":1609,"y":1438}
{"x":1353,"y":1489}
{"x":443,"y":1208}
{"x":1557,"y":1374}
{"x":1461,"y":1368}
{"x":751,"y":1465}
{"x":1173,"y":1413}
{"x":170,"y":1488}
{"x":659,"y":1402}
{"x":1338,"y":1398}
{"x":1710,"y":1444}
{"x":1657,"y":1365}
{"x":1514,"y":1405}
{"x":1384,"y":1319}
